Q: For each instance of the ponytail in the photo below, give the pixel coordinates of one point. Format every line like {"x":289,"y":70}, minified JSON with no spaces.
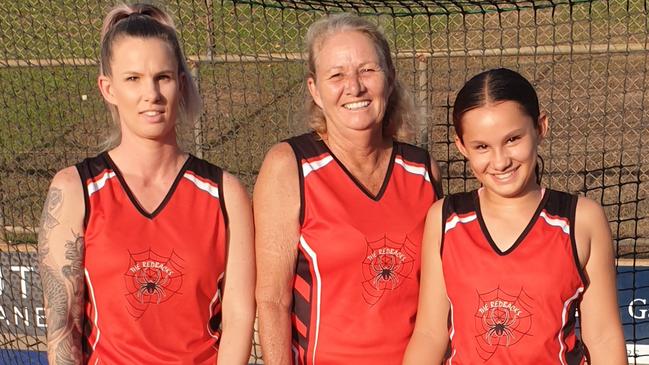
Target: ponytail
{"x":146,"y":21}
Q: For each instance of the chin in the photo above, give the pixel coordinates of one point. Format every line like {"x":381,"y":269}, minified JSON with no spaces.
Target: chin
{"x":511,"y":190}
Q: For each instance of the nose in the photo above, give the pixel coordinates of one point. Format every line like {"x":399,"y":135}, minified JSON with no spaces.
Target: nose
{"x":500,"y":160}
{"x":354,"y":84}
{"x":152,"y":91}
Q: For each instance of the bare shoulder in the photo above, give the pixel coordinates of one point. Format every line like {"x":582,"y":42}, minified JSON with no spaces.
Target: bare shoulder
{"x":592,"y":232}
{"x":233,"y":189}
{"x":589,"y":213}
{"x":276,"y":201}
{"x":64,"y":198}
{"x":280,"y":156}
{"x":279,"y":169}
{"x":433,"y":227}
{"x":67,"y":180}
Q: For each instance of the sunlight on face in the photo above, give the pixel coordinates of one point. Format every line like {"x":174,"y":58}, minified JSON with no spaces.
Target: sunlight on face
{"x":350,"y":84}
{"x":501,"y":143}
{"x":145,"y":87}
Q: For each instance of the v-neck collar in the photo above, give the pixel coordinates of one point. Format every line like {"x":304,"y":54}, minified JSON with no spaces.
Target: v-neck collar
{"x":521,"y":237}
{"x":133,"y":198}
{"x":361,"y":187}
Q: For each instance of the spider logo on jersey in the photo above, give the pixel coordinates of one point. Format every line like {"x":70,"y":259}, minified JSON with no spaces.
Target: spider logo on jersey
{"x":501,"y":320}
{"x":151,"y":279}
{"x":386,"y":265}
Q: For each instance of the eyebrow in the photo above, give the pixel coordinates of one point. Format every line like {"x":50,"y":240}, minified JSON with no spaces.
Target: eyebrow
{"x":515,"y":132}
{"x":132,"y":72}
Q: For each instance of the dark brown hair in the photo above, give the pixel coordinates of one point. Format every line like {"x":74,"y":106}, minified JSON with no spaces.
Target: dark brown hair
{"x":494,"y":86}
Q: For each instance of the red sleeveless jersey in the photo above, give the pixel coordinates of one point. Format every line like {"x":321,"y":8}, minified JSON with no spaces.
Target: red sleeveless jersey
{"x":517,"y":306}
{"x":357,"y":279}
{"x":153,"y":279}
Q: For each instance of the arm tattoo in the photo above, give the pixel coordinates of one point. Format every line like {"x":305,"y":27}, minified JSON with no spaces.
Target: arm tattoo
{"x":74,"y":254}
{"x":51,"y":208}
{"x":65,"y":354}
{"x":57,"y":299}
{"x":63,"y":286}
{"x":64,"y":292}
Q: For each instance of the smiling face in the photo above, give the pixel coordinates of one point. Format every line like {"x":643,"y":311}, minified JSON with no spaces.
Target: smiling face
{"x":144,"y":86}
{"x":350,"y":84}
{"x":501,"y":141}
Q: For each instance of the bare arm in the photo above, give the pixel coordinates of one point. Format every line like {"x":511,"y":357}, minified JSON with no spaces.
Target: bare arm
{"x":60,"y":249}
{"x":276,"y":209}
{"x":430,"y":336}
{"x":600,"y":321}
{"x":239,"y":286}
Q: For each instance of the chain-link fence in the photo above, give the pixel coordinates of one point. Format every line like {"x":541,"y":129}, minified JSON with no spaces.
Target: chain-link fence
{"x":587,"y":59}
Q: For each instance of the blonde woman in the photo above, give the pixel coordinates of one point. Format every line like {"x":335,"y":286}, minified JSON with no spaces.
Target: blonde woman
{"x":146,"y":252}
{"x":340,"y":210}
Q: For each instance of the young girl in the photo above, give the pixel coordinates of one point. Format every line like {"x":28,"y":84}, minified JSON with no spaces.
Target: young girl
{"x":145,"y":248}
{"x":505,"y":268}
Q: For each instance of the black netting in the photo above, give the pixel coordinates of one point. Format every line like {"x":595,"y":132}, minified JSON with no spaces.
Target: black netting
{"x":587,"y":59}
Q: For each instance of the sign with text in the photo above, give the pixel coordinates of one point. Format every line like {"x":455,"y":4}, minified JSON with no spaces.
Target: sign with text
{"x":21,"y":296}
{"x":633,"y":298}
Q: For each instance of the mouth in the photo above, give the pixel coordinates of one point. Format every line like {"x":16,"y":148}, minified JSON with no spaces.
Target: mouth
{"x":502,"y":176}
{"x":152,"y":113}
{"x":357,"y":105}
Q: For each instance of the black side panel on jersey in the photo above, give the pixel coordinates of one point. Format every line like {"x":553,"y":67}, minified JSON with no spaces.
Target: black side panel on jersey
{"x":412,"y":153}
{"x":89,"y":169}
{"x":462,"y":203}
{"x":307,"y":145}
{"x":459,"y":203}
{"x":304,"y":146}
{"x":86,"y":346}
{"x":302,"y":305}
{"x":576,"y":355}
{"x":213,"y":173}
{"x":559,"y":204}
{"x":564,"y":205}
{"x":420,"y":156}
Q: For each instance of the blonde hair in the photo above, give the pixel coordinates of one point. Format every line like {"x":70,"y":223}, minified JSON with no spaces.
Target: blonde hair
{"x":400,"y":114}
{"x":145,"y":21}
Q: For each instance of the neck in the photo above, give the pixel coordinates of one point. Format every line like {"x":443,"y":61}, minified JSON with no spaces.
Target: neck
{"x":358,"y":148}
{"x":531,"y":195}
{"x":150,"y":159}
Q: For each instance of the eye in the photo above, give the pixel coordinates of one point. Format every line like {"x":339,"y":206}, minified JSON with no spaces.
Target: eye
{"x":513,"y":139}
{"x":367,"y":69}
{"x":334,"y":76}
{"x":480,"y":147}
{"x":132,"y":78}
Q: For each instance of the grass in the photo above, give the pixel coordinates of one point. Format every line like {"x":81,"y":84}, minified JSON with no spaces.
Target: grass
{"x":46,"y":124}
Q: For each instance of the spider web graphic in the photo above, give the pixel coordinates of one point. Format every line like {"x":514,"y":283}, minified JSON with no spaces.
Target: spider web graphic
{"x":386,"y":265}
{"x":151,"y":279}
{"x":501,"y":320}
